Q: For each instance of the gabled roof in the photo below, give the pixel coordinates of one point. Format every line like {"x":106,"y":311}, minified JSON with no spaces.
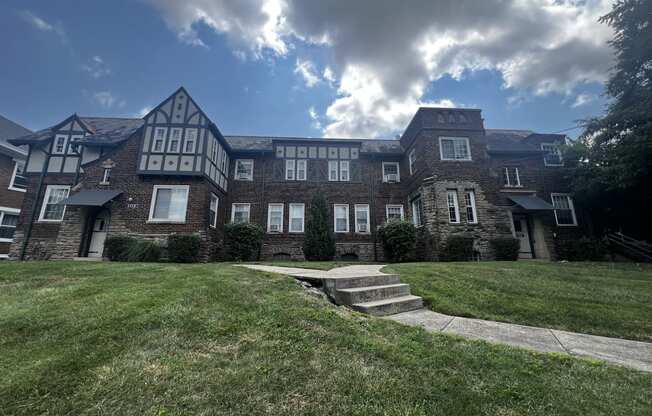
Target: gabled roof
{"x":9,"y":130}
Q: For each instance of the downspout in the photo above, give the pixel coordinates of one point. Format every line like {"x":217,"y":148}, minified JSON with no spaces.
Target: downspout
{"x":32,"y":215}
{"x":262,"y":193}
{"x":373,"y":210}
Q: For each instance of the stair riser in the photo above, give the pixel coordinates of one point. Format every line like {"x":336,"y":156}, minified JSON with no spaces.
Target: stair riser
{"x":349,"y":298}
{"x":391,"y":308}
{"x":363,"y":281}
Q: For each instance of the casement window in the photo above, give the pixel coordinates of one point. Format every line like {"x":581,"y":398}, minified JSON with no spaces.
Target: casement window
{"x":333,"y":170}
{"x":169,"y":203}
{"x":275,"y":218}
{"x":512,"y":178}
{"x":393,"y":212}
{"x":244,"y":170}
{"x":59,"y":145}
{"x":564,"y":210}
{"x":362,"y":218}
{"x":412,"y":158}
{"x":51,"y":211}
{"x":240,"y":213}
{"x":18,"y":180}
{"x":454,"y":148}
{"x":212,"y":211}
{"x":159,"y":139}
{"x":469,"y":203}
{"x":417,"y":209}
{"x":453,"y":207}
{"x":341,"y":218}
{"x":191,"y":141}
{"x":106,"y":176}
{"x":552,"y":156}
{"x":8,"y":222}
{"x":175,"y":140}
{"x":391,"y":172}
{"x":297,"y":217}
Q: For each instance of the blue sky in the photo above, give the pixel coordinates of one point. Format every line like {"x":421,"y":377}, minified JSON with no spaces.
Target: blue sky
{"x":298,"y":70}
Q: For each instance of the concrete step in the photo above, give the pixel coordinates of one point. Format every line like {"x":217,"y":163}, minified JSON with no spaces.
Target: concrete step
{"x":390,"y":306}
{"x":362,"y":281}
{"x":370,"y":293}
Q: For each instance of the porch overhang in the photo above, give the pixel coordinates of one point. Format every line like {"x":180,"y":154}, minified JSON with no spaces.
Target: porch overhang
{"x":531,"y":203}
{"x":91,"y":198}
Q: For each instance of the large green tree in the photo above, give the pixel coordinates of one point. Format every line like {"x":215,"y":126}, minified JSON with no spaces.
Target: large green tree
{"x":318,"y":243}
{"x":613,"y":157}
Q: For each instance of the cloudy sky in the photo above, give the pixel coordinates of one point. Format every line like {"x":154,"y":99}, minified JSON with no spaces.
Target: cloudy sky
{"x":336,"y":68}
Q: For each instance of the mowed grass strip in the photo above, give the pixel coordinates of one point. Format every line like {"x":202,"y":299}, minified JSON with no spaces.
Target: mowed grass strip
{"x":163,"y":339}
{"x":610,"y":299}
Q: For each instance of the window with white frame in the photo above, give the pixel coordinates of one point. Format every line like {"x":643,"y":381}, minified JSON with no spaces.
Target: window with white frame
{"x":564,"y":209}
{"x":275,"y":218}
{"x":333,"y":170}
{"x":454,"y":148}
{"x":469,"y":204}
{"x":552,"y":156}
{"x":453,"y":207}
{"x":512,"y":178}
{"x":175,"y":140}
{"x":240,"y":213}
{"x":244,"y":169}
{"x":59,"y":145}
{"x":412,"y":158}
{"x":416,"y":212}
{"x":394,"y":212}
{"x":302,"y":169}
{"x":51,"y":211}
{"x":391,"y":172}
{"x":169,"y":203}
{"x":106,"y":176}
{"x":212,"y":211}
{"x":362,"y":218}
{"x":159,"y":139}
{"x":191,"y":141}
{"x":8,"y":222}
{"x":341,"y":218}
{"x":344,"y":171}
{"x":18,"y":180}
{"x":297,"y":218}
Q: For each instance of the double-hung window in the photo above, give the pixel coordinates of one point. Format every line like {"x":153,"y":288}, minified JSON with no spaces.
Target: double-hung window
{"x":275,"y":218}
{"x":244,"y":170}
{"x":212,"y":211}
{"x":552,"y":156}
{"x":344,"y":171}
{"x":412,"y":158}
{"x":362,"y":218}
{"x":191,"y":141}
{"x":391,"y":172}
{"x":169,"y":203}
{"x":51,"y":210}
{"x":297,"y":215}
{"x":339,"y":171}
{"x":240,"y":213}
{"x":8,"y":222}
{"x":416,"y":212}
{"x":59,"y":145}
{"x":453,"y":207}
{"x":302,"y":169}
{"x":564,"y":209}
{"x":175,"y":140}
{"x":159,"y":139}
{"x":469,"y":203}
{"x":296,"y":170}
{"x":512,"y":177}
{"x":18,"y":180}
{"x":341,"y":218}
{"x":454,"y":148}
{"x":394,"y":212}
{"x":333,"y":170}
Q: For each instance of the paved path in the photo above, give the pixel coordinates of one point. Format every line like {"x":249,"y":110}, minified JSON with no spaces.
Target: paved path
{"x":633,"y":354}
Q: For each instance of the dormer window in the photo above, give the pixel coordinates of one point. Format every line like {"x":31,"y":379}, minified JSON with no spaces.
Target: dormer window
{"x":463,"y":118}
{"x":175,"y":139}
{"x":440,"y":118}
{"x":451,"y":118}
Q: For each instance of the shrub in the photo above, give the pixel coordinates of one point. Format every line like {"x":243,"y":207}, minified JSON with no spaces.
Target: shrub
{"x":425,"y":247}
{"x":584,"y":249}
{"x":143,"y":250}
{"x":242,"y":241}
{"x":458,"y":248}
{"x":183,"y":248}
{"x":318,"y":243}
{"x":506,"y":248}
{"x":399,"y":238}
{"x":117,"y":248}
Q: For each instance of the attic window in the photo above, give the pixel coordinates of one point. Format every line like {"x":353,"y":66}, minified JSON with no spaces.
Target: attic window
{"x":440,"y":118}
{"x":463,"y":118}
{"x":451,"y":118}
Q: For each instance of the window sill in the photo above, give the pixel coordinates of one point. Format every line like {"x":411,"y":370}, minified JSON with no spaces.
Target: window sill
{"x":566,"y":225}
{"x":104,"y":183}
{"x":295,"y":232}
{"x":49,"y":221}
{"x":6,"y":240}
{"x":456,"y":160}
{"x":243,"y":179}
{"x":164,"y":222}
{"x":11,"y":188}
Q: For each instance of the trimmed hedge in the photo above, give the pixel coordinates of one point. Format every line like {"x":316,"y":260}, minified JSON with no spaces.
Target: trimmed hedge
{"x":584,"y":249}
{"x":125,"y":248}
{"x":399,"y":239}
{"x":183,"y":248}
{"x":242,"y":241}
{"x":458,"y":248}
{"x":506,"y":248}
{"x":318,"y":242}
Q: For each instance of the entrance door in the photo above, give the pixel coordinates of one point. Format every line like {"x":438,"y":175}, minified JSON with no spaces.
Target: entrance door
{"x":523,"y":235}
{"x":96,"y":247}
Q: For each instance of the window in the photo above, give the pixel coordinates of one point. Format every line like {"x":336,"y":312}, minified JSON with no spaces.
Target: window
{"x":394,"y":212}
{"x":512,"y":178}
{"x":391,"y":172}
{"x":106,"y":176}
{"x":240,"y":213}
{"x":341,"y":218}
{"x":18,"y":180}
{"x":212,"y":211}
{"x":59,"y":146}
{"x":159,"y":139}
{"x":453,"y":207}
{"x":454,"y":148}
{"x":297,"y":215}
{"x":416,"y":212}
{"x":169,"y":203}
{"x":175,"y":139}
{"x":338,"y":171}
{"x":302,"y":169}
{"x":8,"y":222}
{"x":51,"y":210}
{"x":333,"y":172}
{"x":344,"y":170}
{"x":290,"y":169}
{"x":564,"y":209}
{"x":191,"y":140}
{"x":552,"y":156}
{"x":362,"y":218}
{"x":469,"y":202}
{"x":275,"y":218}
{"x":244,"y":170}
{"x":412,"y":158}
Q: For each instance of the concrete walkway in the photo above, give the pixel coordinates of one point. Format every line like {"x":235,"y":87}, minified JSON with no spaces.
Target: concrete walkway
{"x":632,"y":354}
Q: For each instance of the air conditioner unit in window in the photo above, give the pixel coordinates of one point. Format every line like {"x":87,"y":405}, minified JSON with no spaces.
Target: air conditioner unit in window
{"x":392,"y":177}
{"x":362,"y":228}
{"x":274,"y":228}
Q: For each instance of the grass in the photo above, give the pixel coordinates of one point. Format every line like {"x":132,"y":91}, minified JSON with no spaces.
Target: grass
{"x":164,"y":339}
{"x":607,"y":299}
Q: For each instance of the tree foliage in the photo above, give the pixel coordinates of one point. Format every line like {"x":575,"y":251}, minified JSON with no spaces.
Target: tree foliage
{"x":318,"y":243}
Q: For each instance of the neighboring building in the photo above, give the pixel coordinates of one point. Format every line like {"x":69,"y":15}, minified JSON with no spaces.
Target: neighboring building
{"x":174,"y":172}
{"x":12,"y":182}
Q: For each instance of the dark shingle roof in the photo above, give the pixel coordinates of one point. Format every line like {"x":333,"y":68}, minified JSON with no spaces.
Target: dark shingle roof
{"x":10,"y":130}
{"x":265,"y":143}
{"x":510,"y":141}
{"x":109,"y":130}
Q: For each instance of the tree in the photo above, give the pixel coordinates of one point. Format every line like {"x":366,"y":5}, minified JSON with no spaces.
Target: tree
{"x":318,"y":243}
{"x":612,"y":159}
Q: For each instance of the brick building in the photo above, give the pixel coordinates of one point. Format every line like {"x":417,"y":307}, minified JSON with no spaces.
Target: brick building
{"x":174,"y":172}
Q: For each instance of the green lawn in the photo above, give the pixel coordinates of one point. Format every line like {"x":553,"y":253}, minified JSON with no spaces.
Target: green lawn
{"x":596,"y":298}
{"x":163,"y":339}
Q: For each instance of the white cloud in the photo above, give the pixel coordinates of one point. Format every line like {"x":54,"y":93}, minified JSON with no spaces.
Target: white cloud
{"x":316,"y":122}
{"x":107,"y":100}
{"x":329,"y":76}
{"x":96,"y":67}
{"x":40,"y":24}
{"x":307,"y":70}
{"x":143,"y":111}
{"x":583,"y":99}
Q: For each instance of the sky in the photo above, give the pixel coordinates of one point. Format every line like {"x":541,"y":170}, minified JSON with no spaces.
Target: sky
{"x":328,"y":68}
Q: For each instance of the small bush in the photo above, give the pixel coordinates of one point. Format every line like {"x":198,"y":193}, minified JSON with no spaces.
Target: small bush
{"x":506,"y":248}
{"x":318,"y":242}
{"x":144,"y":250}
{"x":117,"y":248}
{"x":584,"y":249}
{"x":458,"y":248}
{"x":425,"y":246}
{"x":399,"y":239}
{"x":242,"y":241}
{"x":183,"y":248}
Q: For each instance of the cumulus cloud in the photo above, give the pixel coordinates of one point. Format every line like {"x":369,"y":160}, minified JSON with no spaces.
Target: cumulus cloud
{"x":107,"y":100}
{"x":307,"y":70}
{"x":96,"y":67}
{"x":44,"y":26}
